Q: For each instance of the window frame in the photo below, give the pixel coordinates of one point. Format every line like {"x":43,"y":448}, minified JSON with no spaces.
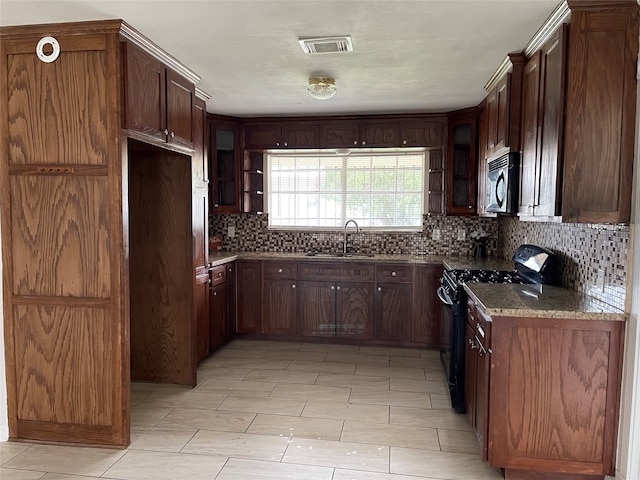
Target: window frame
{"x":332,"y":153}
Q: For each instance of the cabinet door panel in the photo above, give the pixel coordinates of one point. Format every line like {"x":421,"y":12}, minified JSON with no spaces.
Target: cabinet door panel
{"x":180,"y":100}
{"x":201,"y":301}
{"x":339,"y":135}
{"x":427,"y":325}
{"x":549,"y":180}
{"x":354,"y":310}
{"x":529,"y":162}
{"x":317,"y":312}
{"x":502,"y":101}
{"x":263,"y":136}
{"x":380,"y":135}
{"x":301,"y":136}
{"x":146,"y":93}
{"x":280,"y":302}
{"x":470,"y":368}
{"x":200,"y":167}
{"x":393,"y":312}
{"x":249,"y":297}
{"x":218,"y":315}
{"x":423,"y":133}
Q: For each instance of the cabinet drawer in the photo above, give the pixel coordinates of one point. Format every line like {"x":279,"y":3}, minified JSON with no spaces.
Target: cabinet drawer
{"x":394,"y":273}
{"x":218,"y":275}
{"x":280,"y":270}
{"x":336,"y":271}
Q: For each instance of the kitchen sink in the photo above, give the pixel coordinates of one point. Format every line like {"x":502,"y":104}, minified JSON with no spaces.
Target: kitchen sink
{"x":339,"y":255}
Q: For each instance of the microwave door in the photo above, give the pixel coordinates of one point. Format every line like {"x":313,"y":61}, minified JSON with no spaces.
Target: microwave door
{"x":497,"y":191}
{"x":501,"y":191}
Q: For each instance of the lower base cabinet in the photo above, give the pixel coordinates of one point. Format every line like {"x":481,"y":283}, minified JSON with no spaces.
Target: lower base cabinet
{"x":249,"y":295}
{"x":552,"y":388}
{"x":427,"y":328}
{"x":279,"y":298}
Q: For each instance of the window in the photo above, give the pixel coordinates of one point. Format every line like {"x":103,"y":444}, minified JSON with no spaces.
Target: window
{"x":378,"y":189}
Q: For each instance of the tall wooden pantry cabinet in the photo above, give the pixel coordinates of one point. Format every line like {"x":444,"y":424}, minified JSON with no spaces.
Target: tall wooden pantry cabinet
{"x":98,"y":235}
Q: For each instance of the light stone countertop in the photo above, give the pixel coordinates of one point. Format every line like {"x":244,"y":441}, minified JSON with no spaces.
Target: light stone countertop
{"x":302,"y":256}
{"x":539,"y":301}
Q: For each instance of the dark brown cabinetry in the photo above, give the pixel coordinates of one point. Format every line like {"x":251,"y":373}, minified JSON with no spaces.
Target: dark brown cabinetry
{"x":380,"y":134}
{"x":279,"y":298}
{"x":249,"y":295}
{"x":482,"y":164}
{"x":225,"y":160}
{"x":523,"y":371}
{"x":427,"y":328}
{"x":338,"y":300}
{"x":503,"y":109}
{"x":218,"y":310}
{"x":253,"y":182}
{"x":600,"y":111}
{"x":461,"y":163}
{"x":276,"y":135}
{"x":393,"y":303}
{"x":436,"y":193}
{"x":543,"y":93}
{"x":159,"y":102}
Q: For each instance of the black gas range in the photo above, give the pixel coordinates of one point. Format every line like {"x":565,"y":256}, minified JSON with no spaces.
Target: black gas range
{"x":532,"y":265}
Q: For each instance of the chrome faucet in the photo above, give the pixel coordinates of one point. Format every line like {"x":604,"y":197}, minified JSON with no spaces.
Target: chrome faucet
{"x":344,"y":242}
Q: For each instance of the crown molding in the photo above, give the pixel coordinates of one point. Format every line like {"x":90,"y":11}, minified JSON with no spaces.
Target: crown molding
{"x":134,"y":36}
{"x":561,"y":14}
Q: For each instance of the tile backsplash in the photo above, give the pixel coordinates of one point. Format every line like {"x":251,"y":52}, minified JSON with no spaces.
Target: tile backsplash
{"x":252,"y":234}
{"x":593,"y":257}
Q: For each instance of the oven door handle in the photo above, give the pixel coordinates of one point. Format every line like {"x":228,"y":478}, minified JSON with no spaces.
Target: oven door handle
{"x":444,"y":298}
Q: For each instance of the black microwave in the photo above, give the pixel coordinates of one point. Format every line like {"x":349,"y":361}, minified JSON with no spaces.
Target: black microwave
{"x":502,"y":184}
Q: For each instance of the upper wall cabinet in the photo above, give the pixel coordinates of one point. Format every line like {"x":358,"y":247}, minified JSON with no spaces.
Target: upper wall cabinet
{"x":461,"y":163}
{"x":600,"y":111}
{"x":225,"y":161}
{"x":273,"y":135}
{"x":542,"y":129}
{"x":159,"y":102}
{"x":354,"y":132}
{"x":503,"y":108}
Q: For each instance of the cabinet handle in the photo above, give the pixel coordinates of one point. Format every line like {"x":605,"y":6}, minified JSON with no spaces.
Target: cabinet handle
{"x":364,"y":143}
{"x":473,"y":344}
{"x":469,"y":206}
{"x":355,"y":142}
{"x":216,"y":205}
{"x":173,"y":134}
{"x":332,"y":287}
{"x":379,"y":289}
{"x":394,"y":274}
{"x":338,"y":288}
{"x":293,"y":286}
{"x":166,"y":132}
{"x":215,"y":294}
{"x":277,"y":144}
{"x":279,"y":270}
{"x":404,"y":142}
{"x":286,"y":144}
{"x":210,"y":282}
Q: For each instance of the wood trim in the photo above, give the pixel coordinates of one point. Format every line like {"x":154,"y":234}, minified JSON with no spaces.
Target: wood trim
{"x":562,"y":13}
{"x":90,"y":435}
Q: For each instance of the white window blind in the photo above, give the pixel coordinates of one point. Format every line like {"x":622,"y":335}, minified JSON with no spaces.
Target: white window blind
{"x":378,"y":189}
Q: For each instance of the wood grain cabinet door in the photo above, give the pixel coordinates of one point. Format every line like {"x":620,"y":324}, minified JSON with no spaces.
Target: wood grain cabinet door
{"x":380,"y":134}
{"x":301,"y":135}
{"x":426,"y":314}
{"x":354,"y":310}
{"x":180,"y":104}
{"x":145,"y":93}
{"x":249,"y":282}
{"x":66,"y":294}
{"x":280,"y":307}
{"x":392,"y":320}
{"x":339,"y":134}
{"x":317,"y":311}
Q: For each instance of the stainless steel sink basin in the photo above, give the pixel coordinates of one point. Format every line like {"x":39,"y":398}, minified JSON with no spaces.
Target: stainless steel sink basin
{"x":339,"y":255}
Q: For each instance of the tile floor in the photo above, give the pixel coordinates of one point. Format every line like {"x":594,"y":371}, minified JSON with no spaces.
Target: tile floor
{"x":282,"y":410}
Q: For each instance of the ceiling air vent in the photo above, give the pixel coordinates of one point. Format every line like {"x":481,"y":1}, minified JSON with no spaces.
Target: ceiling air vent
{"x":326,"y":44}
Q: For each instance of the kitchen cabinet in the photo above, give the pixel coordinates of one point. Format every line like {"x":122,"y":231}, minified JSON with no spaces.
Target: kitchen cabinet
{"x":483,"y":165}
{"x":537,"y":375}
{"x":279,"y":297}
{"x":201,"y":298}
{"x":225,"y":160}
{"x":379,"y":134}
{"x":217,"y":306}
{"x":232,"y":301}
{"x":461,"y":163}
{"x":600,"y":112}
{"x":336,"y":300}
{"x":436,"y":198}
{"x":542,"y":129}
{"x":503,"y":105}
{"x":394,"y":291}
{"x":339,"y":134}
{"x":423,"y":133}
{"x":278,"y":135}
{"x":253,"y":182}
{"x":427,"y":329}
{"x":249,"y":295}
{"x":159,"y":102}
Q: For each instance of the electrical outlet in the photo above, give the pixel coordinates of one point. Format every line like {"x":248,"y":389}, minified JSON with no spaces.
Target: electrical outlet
{"x":600,"y":282}
{"x":435,"y":234}
{"x":231,"y":231}
{"x":462,"y":235}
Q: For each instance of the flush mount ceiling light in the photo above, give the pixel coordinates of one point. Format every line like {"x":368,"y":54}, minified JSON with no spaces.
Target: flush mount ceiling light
{"x":322,"y":88}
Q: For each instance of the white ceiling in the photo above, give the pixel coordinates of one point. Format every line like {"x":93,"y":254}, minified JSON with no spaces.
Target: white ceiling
{"x":409,"y":56}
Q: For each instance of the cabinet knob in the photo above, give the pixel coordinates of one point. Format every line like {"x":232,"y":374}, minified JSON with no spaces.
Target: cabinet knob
{"x":333,"y":287}
{"x":166,"y":132}
{"x":215,"y":294}
{"x":364,"y":143}
{"x":470,"y":206}
{"x":355,"y":142}
{"x":379,"y":289}
{"x":210,"y":282}
{"x":173,"y":134}
{"x":338,"y":288}
{"x":286,"y":144}
{"x":394,"y":274}
{"x":293,"y":286}
{"x":277,"y":144}
{"x":216,"y":205}
{"x":404,"y":142}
